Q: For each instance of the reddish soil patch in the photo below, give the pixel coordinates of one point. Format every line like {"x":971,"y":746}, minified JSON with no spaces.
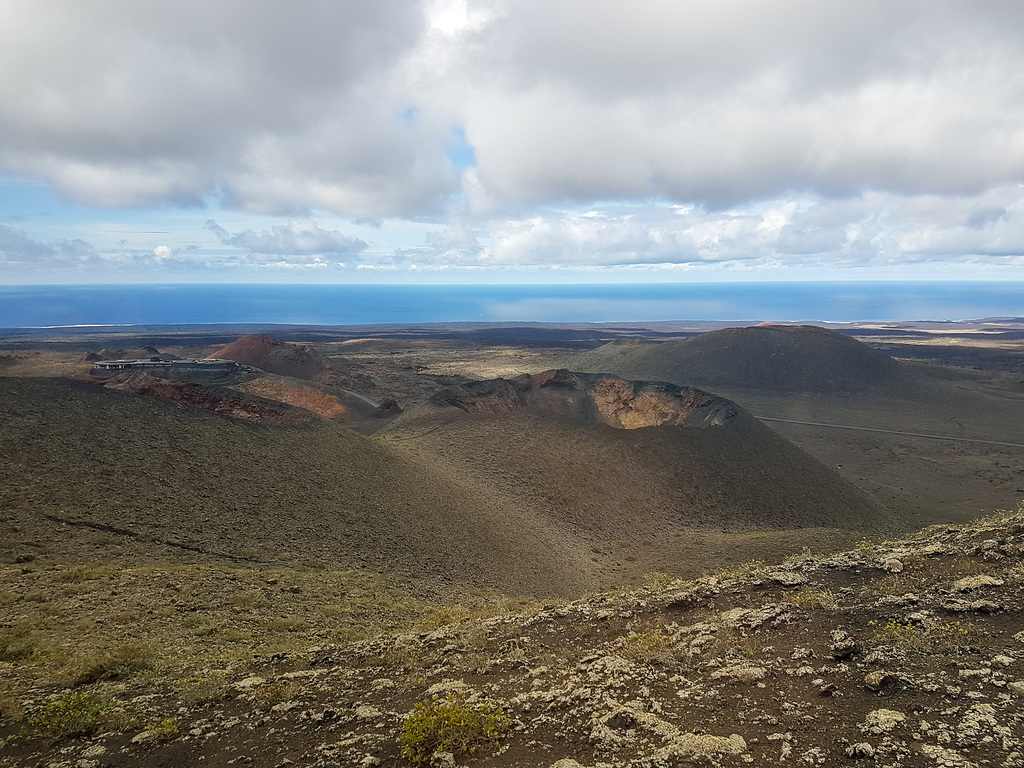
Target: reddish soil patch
{"x":273,"y":356}
{"x":223,"y":401}
{"x":320,"y":403}
{"x":599,"y":399}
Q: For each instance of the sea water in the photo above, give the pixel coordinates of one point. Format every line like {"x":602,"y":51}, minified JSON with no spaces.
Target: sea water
{"x":188,"y":304}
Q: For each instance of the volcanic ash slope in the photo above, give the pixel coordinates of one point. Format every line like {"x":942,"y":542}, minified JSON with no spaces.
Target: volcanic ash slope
{"x":273,"y":356}
{"x":604,"y":458}
{"x":783,"y":358}
{"x":103,"y":475}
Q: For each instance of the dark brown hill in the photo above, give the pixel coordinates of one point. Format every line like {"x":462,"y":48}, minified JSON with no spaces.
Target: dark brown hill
{"x":605,"y":458}
{"x":98,"y":474}
{"x":138,"y":353}
{"x":285,"y":359}
{"x":786,"y":358}
{"x":226,"y":402}
{"x":592,"y":399}
{"x":544,"y":498}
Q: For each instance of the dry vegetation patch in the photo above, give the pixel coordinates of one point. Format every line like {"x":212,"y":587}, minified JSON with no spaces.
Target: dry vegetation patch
{"x":808,"y":662}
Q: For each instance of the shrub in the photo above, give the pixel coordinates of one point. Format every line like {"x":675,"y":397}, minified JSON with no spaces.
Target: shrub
{"x":164,"y":730}
{"x":16,"y":644}
{"x":646,"y":646}
{"x":812,"y":597}
{"x":275,"y":693}
{"x":126,"y":661}
{"x":73,"y":714}
{"x":747,"y":570}
{"x":659,"y":580}
{"x":937,"y":638}
{"x":209,"y":687}
{"x":451,"y":724}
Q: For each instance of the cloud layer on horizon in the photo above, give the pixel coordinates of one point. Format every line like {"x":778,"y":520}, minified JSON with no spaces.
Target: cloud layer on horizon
{"x":592,"y":133}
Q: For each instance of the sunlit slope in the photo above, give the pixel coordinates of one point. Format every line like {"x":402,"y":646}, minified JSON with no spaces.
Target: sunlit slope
{"x":812,"y":374}
{"x":776,"y":357}
{"x":604,"y":458}
{"x":101,"y":474}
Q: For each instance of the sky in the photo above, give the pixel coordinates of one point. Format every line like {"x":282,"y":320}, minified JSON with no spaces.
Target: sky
{"x":453,"y":141}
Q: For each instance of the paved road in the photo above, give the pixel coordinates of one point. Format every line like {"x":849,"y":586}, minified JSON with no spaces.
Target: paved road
{"x":893,"y":432}
{"x":361,"y":397}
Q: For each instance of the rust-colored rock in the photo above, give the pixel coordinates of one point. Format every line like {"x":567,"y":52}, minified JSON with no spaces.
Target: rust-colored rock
{"x":321,"y":403}
{"x":223,"y":401}
{"x":274,"y":356}
{"x":593,"y":398}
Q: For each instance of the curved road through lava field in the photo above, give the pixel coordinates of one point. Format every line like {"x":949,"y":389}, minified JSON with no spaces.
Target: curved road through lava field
{"x":892,"y":432}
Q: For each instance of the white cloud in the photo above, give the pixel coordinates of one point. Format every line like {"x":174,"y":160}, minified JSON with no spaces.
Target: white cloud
{"x":348,"y":107}
{"x":868,"y":231}
{"x":20,"y":251}
{"x":279,"y":107}
{"x":728,"y":102}
{"x":597,"y":133}
{"x":302,"y":238}
{"x":301,"y":245}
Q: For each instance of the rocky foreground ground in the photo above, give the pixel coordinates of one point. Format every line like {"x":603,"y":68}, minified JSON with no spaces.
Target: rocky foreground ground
{"x":907,"y":653}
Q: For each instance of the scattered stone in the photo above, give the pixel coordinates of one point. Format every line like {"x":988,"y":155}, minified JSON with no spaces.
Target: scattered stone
{"x":843,"y":645}
{"x":787,"y":578}
{"x":446,"y":686}
{"x":947,"y":758}
{"x":968,"y":673}
{"x":860,"y":751}
{"x":700,"y":747}
{"x":752,"y":618}
{"x":741,"y":673}
{"x":876,"y":681}
{"x":977,"y":582}
{"x":813,"y":756}
{"x":881,"y":721}
{"x":249,"y":683}
{"x":985,"y":606}
{"x":978,"y":726}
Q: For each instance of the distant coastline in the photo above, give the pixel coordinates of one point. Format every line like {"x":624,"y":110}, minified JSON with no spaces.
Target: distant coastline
{"x":54,"y":306}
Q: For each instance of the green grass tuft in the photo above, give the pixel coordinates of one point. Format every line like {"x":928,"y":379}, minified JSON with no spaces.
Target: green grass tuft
{"x":75,"y":713}
{"x":451,"y":724}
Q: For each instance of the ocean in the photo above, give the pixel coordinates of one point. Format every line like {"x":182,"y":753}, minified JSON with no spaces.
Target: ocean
{"x":187,"y":304}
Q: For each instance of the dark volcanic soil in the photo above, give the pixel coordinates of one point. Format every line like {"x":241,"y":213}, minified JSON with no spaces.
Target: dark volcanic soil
{"x":273,"y":356}
{"x":781,"y":358}
{"x":605,"y":456}
{"x":210,"y":398}
{"x":909,"y":653}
